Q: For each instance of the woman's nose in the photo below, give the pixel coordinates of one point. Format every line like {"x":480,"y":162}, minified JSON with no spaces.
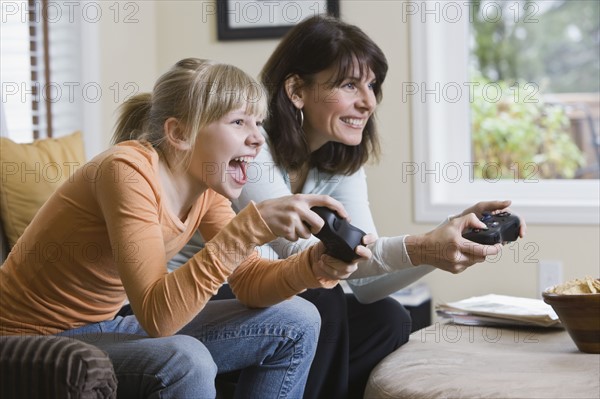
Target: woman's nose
{"x":367,"y":99}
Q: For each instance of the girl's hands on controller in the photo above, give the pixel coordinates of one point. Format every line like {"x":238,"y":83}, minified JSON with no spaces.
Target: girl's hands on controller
{"x":290,"y":217}
{"x":329,"y":268}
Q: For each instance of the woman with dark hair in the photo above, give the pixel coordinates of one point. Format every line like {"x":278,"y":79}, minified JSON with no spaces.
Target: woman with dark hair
{"x":324,"y":82}
{"x":317,"y":45}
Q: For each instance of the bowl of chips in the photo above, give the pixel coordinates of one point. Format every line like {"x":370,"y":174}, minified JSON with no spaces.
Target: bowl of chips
{"x":577,"y":304}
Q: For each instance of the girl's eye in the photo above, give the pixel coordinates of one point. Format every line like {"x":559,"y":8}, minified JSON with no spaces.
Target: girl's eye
{"x":238,"y":122}
{"x":372,"y":85}
{"x":349,"y":85}
{"x":259,"y":123}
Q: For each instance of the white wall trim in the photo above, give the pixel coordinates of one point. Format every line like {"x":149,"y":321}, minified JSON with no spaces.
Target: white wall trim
{"x":92,"y":125}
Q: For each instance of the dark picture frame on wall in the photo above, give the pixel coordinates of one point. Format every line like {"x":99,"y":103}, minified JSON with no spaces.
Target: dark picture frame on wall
{"x":266,"y":19}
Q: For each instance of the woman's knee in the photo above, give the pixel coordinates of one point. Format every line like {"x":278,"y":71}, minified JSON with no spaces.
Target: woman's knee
{"x":331,"y":304}
{"x":386,"y":318}
{"x":395,"y":319}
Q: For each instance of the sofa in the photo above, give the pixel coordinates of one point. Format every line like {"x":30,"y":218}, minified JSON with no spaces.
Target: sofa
{"x":44,"y":366}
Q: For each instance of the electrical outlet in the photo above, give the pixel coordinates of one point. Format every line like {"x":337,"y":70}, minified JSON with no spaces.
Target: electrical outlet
{"x":550,"y":272}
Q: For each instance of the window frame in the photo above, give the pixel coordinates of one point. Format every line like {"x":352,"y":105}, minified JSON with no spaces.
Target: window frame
{"x":439,"y":95}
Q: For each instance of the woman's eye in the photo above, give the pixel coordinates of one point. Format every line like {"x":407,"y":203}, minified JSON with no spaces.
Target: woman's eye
{"x":350,"y":85}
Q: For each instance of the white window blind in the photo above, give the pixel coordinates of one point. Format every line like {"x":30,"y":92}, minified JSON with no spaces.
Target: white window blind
{"x":40,"y":69}
{"x":65,"y":74}
{"x":15,"y":73}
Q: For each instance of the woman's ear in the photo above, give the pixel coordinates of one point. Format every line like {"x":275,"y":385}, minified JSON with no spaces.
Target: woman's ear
{"x":175,"y":135}
{"x":294,"y":90}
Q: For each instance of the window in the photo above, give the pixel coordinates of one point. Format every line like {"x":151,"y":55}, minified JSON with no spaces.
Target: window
{"x":40,"y":64}
{"x":536,"y":107}
{"x":443,"y":93}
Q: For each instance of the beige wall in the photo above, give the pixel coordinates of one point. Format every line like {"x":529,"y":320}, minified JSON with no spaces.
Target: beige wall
{"x":170,"y":30}
{"x":119,"y":53}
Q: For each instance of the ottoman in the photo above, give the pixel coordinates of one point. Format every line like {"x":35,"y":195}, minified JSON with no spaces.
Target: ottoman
{"x":454,"y":361}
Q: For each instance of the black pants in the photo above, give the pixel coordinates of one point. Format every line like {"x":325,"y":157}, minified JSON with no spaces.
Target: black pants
{"x":354,"y":338}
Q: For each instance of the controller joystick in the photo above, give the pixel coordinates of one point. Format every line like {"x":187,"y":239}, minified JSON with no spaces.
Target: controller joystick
{"x":501,"y":227}
{"x":339,"y":237}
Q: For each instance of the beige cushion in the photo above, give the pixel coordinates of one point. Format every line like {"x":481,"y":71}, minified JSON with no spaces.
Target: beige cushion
{"x":30,"y":174}
{"x":468,"y":362}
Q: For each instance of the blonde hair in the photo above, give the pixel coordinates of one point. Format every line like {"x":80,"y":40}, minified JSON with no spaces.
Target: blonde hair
{"x":194,"y":91}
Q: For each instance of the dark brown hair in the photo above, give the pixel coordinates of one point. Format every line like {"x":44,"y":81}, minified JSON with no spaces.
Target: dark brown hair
{"x":316,"y":44}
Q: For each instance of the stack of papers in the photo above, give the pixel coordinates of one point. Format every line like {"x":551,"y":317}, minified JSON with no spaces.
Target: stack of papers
{"x":499,"y":310}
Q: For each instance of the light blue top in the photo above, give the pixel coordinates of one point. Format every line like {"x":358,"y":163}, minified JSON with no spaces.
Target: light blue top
{"x":390,"y":268}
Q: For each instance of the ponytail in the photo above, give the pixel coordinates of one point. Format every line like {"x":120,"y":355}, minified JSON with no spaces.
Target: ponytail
{"x":194,"y":91}
{"x":133,"y":118}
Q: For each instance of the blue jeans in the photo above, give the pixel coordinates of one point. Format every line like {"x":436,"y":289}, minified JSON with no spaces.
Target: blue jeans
{"x":273,"y":347}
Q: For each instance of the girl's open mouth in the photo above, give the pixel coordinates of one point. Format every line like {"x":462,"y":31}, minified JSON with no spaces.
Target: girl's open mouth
{"x":238,"y":169}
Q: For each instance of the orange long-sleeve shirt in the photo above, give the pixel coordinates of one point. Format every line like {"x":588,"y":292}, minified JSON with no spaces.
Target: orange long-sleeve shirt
{"x":106,"y":234}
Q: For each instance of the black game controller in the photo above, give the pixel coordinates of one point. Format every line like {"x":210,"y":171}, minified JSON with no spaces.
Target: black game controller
{"x":502,"y":227}
{"x":339,"y":237}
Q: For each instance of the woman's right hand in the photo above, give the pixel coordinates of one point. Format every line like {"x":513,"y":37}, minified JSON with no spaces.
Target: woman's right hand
{"x":290,"y":217}
{"x":494,"y":207}
{"x":445,"y":247}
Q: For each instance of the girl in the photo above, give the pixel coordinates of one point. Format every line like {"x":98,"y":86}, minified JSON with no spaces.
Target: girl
{"x":180,"y":152}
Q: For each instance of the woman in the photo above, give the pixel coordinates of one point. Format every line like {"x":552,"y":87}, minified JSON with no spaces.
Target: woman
{"x":180,"y":152}
{"x":324,"y":83}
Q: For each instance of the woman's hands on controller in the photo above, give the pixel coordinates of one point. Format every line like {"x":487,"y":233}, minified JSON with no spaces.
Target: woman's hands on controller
{"x":446,"y":249}
{"x":494,"y":207}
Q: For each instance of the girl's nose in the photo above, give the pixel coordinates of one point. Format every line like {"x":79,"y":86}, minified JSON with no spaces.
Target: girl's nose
{"x":255,"y":139}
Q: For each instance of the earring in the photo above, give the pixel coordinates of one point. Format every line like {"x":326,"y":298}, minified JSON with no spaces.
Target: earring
{"x":300,"y":117}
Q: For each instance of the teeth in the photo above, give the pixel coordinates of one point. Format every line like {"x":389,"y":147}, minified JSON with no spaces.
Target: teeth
{"x":353,"y":121}
{"x":243,"y":159}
